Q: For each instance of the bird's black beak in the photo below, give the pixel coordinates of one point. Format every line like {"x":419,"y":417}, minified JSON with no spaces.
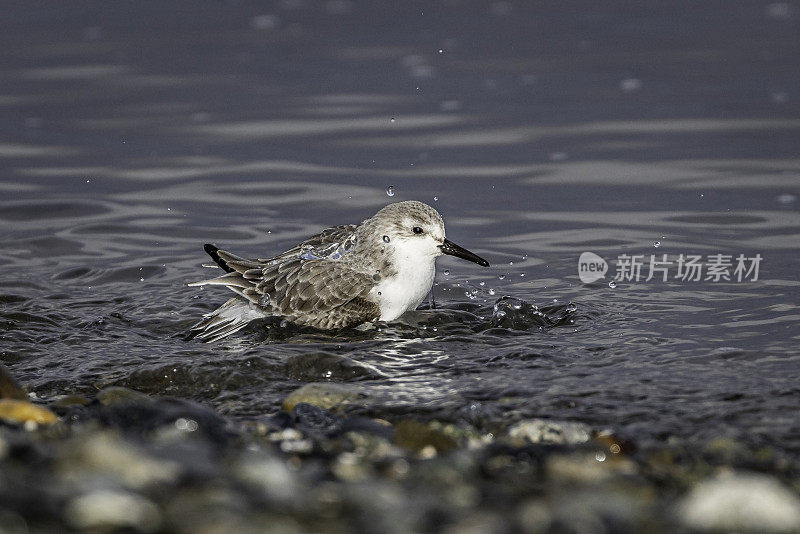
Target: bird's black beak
{"x":448,"y":247}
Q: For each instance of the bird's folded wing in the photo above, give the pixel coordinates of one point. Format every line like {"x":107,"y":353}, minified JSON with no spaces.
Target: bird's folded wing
{"x":321,"y":293}
{"x":298,"y":286}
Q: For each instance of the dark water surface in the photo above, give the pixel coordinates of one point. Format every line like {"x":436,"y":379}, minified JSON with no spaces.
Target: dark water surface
{"x":133,"y":133}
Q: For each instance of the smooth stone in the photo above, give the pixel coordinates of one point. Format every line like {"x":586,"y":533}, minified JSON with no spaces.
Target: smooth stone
{"x":113,"y":509}
{"x":20,"y":411}
{"x":480,"y":522}
{"x":108,"y":454}
{"x":543,"y":431}
{"x":425,"y":438}
{"x":350,"y":467}
{"x":316,"y":421}
{"x":271,"y":475}
{"x":373,"y":447}
{"x":587,"y":467}
{"x":120,"y":395}
{"x":740,"y":502}
{"x":613,"y":508}
{"x":71,"y":400}
{"x":10,"y":388}
{"x":323,"y":395}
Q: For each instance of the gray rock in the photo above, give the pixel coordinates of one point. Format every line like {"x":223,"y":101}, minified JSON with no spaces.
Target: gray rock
{"x":105,"y":453}
{"x":113,"y":509}
{"x":741,"y":502}
{"x":113,"y":395}
{"x":324,"y":395}
{"x":542,"y":431}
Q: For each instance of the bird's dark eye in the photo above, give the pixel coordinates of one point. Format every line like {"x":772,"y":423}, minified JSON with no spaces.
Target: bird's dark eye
{"x":417,"y":230}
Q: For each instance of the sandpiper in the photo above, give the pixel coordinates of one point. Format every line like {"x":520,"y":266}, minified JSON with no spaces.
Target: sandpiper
{"x":344,"y":276}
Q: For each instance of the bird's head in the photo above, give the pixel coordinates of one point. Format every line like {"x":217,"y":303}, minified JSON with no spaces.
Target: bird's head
{"x":415,"y":231}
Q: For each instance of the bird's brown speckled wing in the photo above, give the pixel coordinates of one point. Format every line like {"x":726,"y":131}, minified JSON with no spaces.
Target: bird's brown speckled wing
{"x":321,"y":293}
{"x":318,"y":292}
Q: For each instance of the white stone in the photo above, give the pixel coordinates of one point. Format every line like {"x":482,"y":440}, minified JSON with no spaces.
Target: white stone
{"x":741,"y":502}
{"x":106,"y":508}
{"x":542,"y":431}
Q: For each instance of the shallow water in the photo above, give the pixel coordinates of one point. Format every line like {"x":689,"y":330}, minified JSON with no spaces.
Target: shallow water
{"x":131,"y":138}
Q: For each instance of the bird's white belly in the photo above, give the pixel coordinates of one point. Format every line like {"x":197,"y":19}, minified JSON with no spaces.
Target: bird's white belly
{"x":403,"y":292}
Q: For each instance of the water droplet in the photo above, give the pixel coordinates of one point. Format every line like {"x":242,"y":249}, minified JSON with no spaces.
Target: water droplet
{"x":522,"y":275}
{"x":141,"y":279}
{"x":779,"y":10}
{"x":264,"y":22}
{"x":450,"y":105}
{"x":630,"y":85}
{"x":502,"y":277}
{"x":447,"y":272}
{"x":441,"y":51}
{"x":392,"y":120}
{"x":390,"y":189}
{"x":379,"y":293}
{"x":386,"y":239}
{"x":780,"y":97}
{"x":263,"y":300}
{"x":612,"y":284}
{"x":491,"y":291}
{"x":657,"y":244}
{"x":436,"y":199}
{"x":377,"y":271}
{"x":600,"y":456}
{"x":702,"y":195}
{"x":555,"y":300}
{"x":511,"y":264}
{"x":482,"y":283}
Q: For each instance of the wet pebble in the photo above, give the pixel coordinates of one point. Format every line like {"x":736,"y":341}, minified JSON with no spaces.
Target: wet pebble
{"x":9,"y":388}
{"x":544,"y":431}
{"x":115,"y":395}
{"x":113,"y":509}
{"x":324,"y":395}
{"x":24,"y":412}
{"x":107,"y":454}
{"x":740,"y":502}
{"x":586,"y":467}
{"x":270,"y":474}
{"x":428,"y":438}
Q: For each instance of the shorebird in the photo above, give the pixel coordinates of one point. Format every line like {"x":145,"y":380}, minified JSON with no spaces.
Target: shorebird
{"x":342,"y":277}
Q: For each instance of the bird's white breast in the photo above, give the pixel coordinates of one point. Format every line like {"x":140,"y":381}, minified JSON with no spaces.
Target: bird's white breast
{"x":406,"y":290}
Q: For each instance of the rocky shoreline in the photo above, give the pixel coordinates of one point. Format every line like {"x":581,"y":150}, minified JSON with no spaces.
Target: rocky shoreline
{"x":126,"y":461}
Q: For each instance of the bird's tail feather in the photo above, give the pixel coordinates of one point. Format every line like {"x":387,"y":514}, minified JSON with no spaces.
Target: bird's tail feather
{"x":226,"y":320}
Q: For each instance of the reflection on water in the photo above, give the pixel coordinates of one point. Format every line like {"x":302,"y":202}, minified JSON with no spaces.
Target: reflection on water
{"x":124,"y":151}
